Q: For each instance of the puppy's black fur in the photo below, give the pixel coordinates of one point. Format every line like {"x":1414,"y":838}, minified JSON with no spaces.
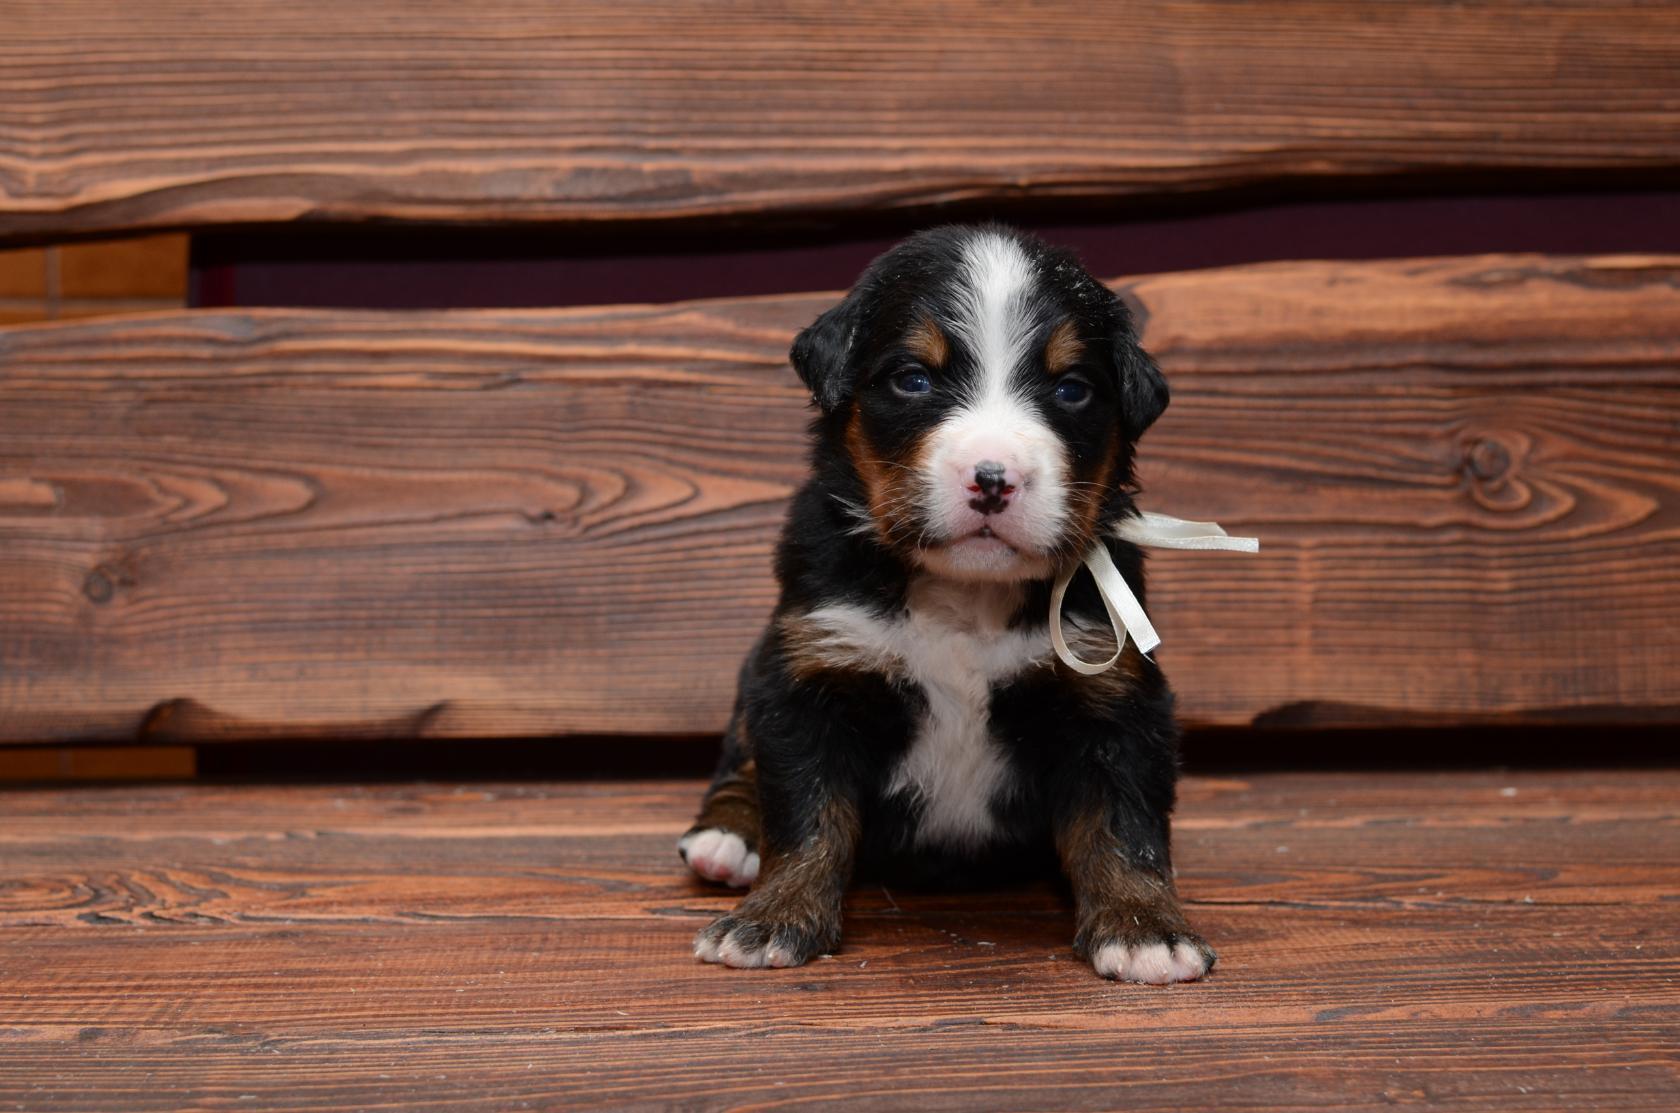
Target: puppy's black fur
{"x":807,"y":776}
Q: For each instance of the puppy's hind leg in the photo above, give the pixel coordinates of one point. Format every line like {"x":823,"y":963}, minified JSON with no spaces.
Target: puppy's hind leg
{"x":723,"y":844}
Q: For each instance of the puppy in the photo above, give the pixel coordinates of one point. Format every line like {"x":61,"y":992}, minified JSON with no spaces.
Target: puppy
{"x":979,"y":398}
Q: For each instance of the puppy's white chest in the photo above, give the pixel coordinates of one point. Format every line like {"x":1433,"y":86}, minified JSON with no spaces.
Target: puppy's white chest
{"x":954,"y":644}
{"x":954,"y":768}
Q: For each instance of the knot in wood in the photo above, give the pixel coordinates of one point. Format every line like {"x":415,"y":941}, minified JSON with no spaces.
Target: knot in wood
{"x":98,"y":586}
{"x":1486,"y":459}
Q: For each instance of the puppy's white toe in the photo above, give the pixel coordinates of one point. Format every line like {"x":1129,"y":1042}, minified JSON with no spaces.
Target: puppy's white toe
{"x":731,"y":952}
{"x":1150,"y":963}
{"x":719,"y":855}
{"x":1189,"y":962}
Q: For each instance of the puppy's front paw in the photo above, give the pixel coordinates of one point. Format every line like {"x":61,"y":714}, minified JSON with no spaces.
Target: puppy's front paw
{"x":1157,"y":960}
{"x":743,"y":941}
{"x":719,"y":855}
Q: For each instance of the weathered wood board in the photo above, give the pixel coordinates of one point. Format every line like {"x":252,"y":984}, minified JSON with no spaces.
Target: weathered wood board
{"x":176,"y":114}
{"x":259,"y":524}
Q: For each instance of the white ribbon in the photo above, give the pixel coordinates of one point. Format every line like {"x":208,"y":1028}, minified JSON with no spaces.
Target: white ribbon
{"x":1125,"y":613}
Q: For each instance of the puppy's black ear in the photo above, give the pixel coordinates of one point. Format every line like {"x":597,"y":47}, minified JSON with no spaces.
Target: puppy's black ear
{"x":1143,"y":389}
{"x":822,"y":354}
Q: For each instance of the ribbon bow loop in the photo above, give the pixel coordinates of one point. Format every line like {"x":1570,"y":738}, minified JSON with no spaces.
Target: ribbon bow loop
{"x":1125,"y":613}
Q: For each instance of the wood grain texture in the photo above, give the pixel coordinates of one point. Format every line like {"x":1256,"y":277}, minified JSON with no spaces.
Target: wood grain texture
{"x":171,"y":114}
{"x":478,"y":946}
{"x":271,"y":523}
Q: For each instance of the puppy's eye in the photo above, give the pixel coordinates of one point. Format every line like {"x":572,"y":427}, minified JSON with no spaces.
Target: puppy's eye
{"x":912,"y":380}
{"x":1073,"y":393}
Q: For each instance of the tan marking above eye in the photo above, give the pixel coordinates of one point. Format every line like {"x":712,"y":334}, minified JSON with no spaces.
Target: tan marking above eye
{"x":1063,"y":349}
{"x":927,"y":343}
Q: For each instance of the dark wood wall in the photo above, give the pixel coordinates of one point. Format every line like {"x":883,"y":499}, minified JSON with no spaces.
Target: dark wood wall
{"x":340,"y":266}
{"x":241,"y":522}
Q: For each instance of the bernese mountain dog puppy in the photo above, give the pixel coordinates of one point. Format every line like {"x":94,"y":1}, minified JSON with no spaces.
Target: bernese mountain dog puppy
{"x":903,"y":716}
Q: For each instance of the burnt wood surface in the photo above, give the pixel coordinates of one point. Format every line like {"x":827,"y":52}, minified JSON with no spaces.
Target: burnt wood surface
{"x":518,"y":523}
{"x":1436,"y":941}
{"x":174,"y":114}
{"x":271,"y":524}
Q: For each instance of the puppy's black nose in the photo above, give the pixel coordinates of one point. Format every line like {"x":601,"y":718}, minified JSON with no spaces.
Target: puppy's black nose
{"x":989,"y":477}
{"x":991,"y":484}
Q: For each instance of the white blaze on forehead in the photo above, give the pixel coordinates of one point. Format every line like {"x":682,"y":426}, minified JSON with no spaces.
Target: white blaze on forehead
{"x":993,"y":320}
{"x":992,"y":309}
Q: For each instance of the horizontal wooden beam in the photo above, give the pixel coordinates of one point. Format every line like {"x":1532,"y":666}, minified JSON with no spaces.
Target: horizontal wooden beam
{"x":171,"y":114}
{"x":269,"y":523}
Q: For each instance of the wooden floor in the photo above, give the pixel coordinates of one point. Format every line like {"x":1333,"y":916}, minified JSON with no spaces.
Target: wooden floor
{"x":1457,"y":941}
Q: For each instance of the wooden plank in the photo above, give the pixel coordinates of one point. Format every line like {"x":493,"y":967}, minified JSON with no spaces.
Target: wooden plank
{"x":275,"y":524}
{"x":1464,"y":1061}
{"x":556,"y":853}
{"x":1333,"y":801}
{"x":507,"y":984}
{"x":170,"y":115}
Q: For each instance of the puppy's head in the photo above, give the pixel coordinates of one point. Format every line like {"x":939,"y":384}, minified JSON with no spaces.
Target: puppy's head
{"x":986,"y":393}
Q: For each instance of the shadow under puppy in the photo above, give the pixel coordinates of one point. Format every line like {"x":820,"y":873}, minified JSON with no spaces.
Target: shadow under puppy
{"x":903,"y":714}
